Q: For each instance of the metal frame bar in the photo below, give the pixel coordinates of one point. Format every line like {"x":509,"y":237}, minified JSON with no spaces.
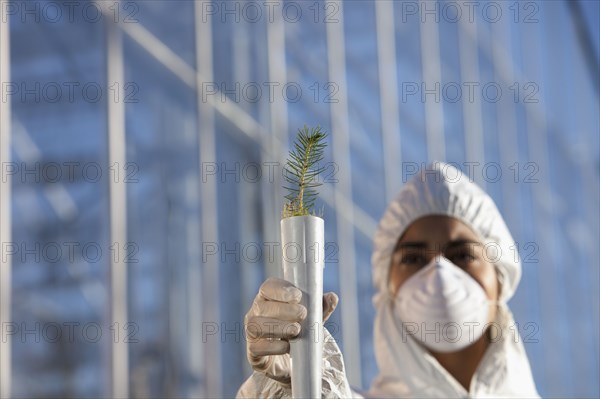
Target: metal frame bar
{"x":345,"y":218}
{"x":209,"y":354}
{"x":118,"y":213}
{"x":388,"y":94}
{"x":432,"y":73}
{"x":506,"y":121}
{"x":278,"y":112}
{"x":472,"y":121}
{"x":5,"y":210}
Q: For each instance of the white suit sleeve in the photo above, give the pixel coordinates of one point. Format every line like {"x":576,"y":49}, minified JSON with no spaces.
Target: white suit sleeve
{"x":335,"y":382}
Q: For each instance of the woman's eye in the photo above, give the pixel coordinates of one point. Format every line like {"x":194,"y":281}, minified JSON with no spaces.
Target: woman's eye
{"x":412,"y":259}
{"x":463,"y":258}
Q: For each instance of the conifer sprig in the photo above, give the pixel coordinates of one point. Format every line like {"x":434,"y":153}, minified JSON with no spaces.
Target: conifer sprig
{"x":302,"y":171}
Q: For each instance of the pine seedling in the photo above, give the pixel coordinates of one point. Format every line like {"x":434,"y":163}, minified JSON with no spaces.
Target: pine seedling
{"x":302,"y":172}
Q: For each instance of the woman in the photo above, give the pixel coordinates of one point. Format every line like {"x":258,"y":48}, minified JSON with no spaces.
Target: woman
{"x":444,"y":266}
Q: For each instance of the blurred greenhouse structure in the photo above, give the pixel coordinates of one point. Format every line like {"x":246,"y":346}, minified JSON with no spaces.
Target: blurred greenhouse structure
{"x":141,"y":150}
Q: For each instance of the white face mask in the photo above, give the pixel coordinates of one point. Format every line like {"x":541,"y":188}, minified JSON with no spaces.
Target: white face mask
{"x":442,"y":306}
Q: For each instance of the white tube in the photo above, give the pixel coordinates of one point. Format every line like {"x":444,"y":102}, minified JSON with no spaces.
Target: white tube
{"x":302,"y":242}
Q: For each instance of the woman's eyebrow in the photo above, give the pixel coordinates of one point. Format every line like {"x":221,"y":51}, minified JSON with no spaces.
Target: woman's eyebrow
{"x":425,"y":245}
{"x":411,"y":244}
{"x":460,"y":243}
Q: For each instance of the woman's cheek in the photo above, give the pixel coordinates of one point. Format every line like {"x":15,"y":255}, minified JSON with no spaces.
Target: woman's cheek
{"x":489,"y":280}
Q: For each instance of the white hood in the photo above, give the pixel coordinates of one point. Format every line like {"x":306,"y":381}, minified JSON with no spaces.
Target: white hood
{"x":406,"y":368}
{"x":441,"y":189}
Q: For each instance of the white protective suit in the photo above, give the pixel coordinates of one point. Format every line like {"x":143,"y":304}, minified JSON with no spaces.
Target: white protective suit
{"x":407,"y":370}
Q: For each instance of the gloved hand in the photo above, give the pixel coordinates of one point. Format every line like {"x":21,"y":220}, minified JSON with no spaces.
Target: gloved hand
{"x":272,"y":321}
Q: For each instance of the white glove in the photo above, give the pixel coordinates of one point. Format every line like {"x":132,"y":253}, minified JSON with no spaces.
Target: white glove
{"x":272,"y":321}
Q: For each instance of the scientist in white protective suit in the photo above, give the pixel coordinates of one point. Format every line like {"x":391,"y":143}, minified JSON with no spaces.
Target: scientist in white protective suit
{"x":444,"y":266}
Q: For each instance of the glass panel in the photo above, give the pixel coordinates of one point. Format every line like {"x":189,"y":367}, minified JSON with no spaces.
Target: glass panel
{"x":172,"y":22}
{"x":241,"y":247}
{"x":163,"y":219}
{"x":60,"y":203}
{"x":364,"y":109}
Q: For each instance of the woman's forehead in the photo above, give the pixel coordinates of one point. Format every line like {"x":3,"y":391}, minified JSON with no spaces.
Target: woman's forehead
{"x":437,"y":230}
